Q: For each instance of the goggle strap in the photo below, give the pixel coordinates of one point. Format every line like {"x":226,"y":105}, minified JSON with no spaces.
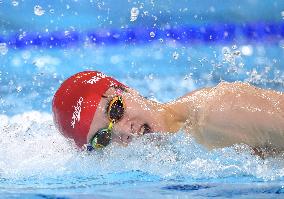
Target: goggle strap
{"x":110,"y":126}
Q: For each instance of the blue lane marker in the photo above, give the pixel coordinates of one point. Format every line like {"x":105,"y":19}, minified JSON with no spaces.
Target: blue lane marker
{"x":218,"y":33}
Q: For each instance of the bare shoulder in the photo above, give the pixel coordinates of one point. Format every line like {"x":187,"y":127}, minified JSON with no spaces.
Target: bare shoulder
{"x":246,"y":95}
{"x":236,"y":86}
{"x":246,"y":89}
{"x":239,"y":86}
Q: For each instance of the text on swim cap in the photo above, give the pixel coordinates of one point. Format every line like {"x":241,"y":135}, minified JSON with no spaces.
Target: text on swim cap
{"x":96,"y":78}
{"x":77,"y":112}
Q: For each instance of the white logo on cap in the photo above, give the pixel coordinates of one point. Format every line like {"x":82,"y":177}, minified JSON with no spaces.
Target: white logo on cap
{"x":77,"y":112}
{"x":96,"y":78}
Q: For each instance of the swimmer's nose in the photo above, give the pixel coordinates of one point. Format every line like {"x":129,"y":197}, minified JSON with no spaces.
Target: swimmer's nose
{"x":123,"y":126}
{"x":122,"y":131}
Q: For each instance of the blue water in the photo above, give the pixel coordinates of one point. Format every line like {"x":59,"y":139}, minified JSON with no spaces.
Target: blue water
{"x":37,"y":162}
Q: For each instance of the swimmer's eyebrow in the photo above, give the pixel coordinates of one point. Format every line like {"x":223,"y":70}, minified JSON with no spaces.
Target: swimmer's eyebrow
{"x":104,"y":96}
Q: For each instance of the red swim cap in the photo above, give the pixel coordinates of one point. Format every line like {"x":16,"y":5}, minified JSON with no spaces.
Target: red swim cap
{"x":75,"y":103}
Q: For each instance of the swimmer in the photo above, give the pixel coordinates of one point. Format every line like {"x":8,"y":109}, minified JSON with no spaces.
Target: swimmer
{"x":94,"y":110}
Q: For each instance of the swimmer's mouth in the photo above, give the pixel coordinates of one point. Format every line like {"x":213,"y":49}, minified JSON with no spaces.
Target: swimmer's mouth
{"x":145,"y":129}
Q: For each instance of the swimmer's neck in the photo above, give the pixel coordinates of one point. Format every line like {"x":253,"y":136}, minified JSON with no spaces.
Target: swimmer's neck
{"x":170,"y":117}
{"x":179,"y":111}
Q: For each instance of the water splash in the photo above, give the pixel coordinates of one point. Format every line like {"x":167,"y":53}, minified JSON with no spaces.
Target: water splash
{"x":15,"y":3}
{"x":3,"y":48}
{"x":134,"y":14}
{"x":152,"y":34}
{"x":31,"y":147}
{"x":38,"y":10}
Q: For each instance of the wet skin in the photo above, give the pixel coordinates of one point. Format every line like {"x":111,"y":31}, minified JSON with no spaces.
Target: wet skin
{"x":140,"y":116}
{"x":221,"y":116}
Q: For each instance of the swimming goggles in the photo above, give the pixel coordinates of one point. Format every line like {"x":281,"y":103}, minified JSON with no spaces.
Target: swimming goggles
{"x":102,"y":137}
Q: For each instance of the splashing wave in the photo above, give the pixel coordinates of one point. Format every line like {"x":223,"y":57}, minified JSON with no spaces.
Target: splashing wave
{"x":31,"y":147}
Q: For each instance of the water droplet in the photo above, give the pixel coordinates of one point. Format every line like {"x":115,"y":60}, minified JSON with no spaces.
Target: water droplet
{"x":19,"y":89}
{"x":226,"y":51}
{"x":282,"y":14}
{"x":237,"y":53}
{"x":15,"y":3}
{"x":3,"y":48}
{"x":175,"y":55}
{"x":66,"y":33}
{"x":38,"y":10}
{"x":134,"y":14}
{"x":146,"y":13}
{"x":241,"y":65}
{"x":51,"y":11}
{"x":151,"y":76}
{"x":152,"y":34}
{"x":247,"y":50}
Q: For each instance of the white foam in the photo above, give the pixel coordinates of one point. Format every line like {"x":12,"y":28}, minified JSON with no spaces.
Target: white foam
{"x":30,"y":146}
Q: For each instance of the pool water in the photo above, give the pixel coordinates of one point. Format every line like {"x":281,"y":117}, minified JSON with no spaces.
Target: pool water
{"x":36,"y":161}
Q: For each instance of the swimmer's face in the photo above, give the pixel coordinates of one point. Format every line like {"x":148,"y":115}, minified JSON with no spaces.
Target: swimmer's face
{"x":134,"y":122}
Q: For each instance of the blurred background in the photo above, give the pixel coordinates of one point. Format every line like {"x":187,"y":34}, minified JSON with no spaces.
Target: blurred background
{"x":163,"y":48}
